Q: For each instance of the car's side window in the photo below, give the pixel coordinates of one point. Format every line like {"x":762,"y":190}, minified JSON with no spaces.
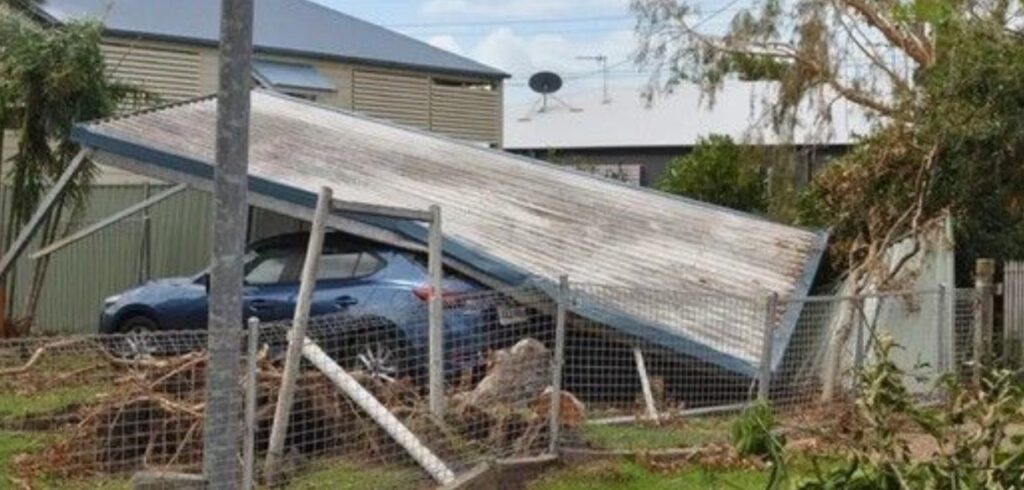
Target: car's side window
{"x":346,"y":264}
{"x":271,"y":266}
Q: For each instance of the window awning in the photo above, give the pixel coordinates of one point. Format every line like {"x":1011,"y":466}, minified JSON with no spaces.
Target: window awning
{"x":290,"y":76}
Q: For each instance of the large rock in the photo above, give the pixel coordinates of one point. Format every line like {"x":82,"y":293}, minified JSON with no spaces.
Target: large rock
{"x":514,"y":376}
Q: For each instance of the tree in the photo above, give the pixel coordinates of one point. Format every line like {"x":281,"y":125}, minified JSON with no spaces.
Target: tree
{"x":720,"y":172}
{"x":52,"y":77}
{"x":944,"y":80}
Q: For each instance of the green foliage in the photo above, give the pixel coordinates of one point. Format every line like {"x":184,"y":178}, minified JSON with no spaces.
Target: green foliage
{"x":965,"y":144}
{"x":50,"y":79}
{"x":718,"y":171}
{"x":753,"y":435}
{"x":752,"y":432}
{"x":628,"y":475}
{"x":971,"y":434}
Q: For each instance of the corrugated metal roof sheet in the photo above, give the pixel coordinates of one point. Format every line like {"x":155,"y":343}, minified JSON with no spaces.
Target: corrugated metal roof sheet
{"x":581,"y":119}
{"x":287,"y":26}
{"x":505,"y":216}
{"x":278,"y":75}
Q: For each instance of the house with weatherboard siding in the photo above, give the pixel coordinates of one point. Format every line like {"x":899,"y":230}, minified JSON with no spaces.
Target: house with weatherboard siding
{"x":303,"y":49}
{"x":169,"y":48}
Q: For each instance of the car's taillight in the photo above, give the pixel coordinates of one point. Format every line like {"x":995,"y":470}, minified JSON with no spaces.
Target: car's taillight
{"x":424,"y":292}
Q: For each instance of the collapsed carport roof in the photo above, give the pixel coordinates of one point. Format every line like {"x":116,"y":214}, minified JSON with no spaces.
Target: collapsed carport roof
{"x":506,"y":218}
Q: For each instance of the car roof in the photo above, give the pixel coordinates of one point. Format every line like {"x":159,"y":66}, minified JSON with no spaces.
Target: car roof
{"x":298,"y":239}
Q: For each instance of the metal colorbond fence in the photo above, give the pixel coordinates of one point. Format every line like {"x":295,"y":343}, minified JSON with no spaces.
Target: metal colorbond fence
{"x":102,"y":409}
{"x":173,"y":241}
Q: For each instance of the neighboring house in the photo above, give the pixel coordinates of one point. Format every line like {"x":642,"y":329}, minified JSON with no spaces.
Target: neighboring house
{"x":169,"y":47}
{"x":633,"y":139}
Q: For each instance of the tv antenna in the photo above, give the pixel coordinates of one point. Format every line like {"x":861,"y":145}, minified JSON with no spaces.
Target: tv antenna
{"x":603,"y":61}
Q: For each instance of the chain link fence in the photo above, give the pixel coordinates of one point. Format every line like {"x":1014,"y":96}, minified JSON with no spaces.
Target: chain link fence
{"x":519,"y":382}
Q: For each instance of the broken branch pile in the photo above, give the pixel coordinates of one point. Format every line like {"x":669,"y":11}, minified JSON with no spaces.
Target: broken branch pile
{"x":153,"y":413}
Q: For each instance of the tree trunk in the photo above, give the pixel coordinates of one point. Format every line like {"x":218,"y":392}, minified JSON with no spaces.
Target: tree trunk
{"x":834,"y":353}
{"x":50,"y":227}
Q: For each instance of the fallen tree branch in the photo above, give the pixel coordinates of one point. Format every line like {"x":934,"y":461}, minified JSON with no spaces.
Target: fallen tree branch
{"x":38,"y":354}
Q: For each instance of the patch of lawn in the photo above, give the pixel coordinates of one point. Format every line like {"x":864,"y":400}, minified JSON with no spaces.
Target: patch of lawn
{"x":629,"y":475}
{"x":13,"y":444}
{"x":98,"y":483}
{"x":44,"y":402}
{"x":626,"y":475}
{"x":680,"y":434}
{"x":349,"y":475}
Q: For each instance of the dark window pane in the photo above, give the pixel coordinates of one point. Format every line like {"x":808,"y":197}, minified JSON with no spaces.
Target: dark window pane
{"x":268,"y":267}
{"x":346,"y":265}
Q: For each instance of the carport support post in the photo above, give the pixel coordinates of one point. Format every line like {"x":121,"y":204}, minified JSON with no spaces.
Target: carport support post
{"x":230,"y":186}
{"x":435,"y":330}
{"x":645,"y":384}
{"x":297,"y":336}
{"x":767,"y":347}
{"x":557,"y":365}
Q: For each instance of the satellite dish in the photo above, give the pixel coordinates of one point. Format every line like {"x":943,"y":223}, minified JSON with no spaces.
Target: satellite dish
{"x":545,"y":82}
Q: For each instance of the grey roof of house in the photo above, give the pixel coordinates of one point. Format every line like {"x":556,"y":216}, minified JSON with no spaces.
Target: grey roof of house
{"x":279,"y":75}
{"x":508,"y":218}
{"x":282,"y":26}
{"x":580,"y":119}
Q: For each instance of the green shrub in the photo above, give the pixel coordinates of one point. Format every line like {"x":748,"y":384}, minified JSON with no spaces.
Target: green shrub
{"x":718,"y":171}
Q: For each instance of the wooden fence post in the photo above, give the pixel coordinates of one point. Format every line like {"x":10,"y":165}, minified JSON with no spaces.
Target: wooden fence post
{"x":297,"y":337}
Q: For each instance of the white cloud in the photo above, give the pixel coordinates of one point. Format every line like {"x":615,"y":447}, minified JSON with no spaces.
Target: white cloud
{"x":524,"y":54}
{"x":518,"y":9}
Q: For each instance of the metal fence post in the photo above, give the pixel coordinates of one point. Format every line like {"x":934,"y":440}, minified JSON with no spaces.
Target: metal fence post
{"x":435,"y":330}
{"x":249,"y":443}
{"x":145,"y":246}
{"x":984,"y":272}
{"x":767,"y":347}
{"x":1012,"y":301}
{"x":557,"y":364}
{"x":942,"y":336}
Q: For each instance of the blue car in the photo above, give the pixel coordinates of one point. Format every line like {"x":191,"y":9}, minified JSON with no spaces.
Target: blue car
{"x":371,"y":300}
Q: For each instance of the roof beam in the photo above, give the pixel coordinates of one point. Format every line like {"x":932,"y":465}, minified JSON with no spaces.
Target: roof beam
{"x":30,"y":228}
{"x":108,"y":221}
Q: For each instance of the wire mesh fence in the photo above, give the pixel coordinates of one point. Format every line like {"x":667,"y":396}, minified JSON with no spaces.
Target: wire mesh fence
{"x":102,"y":409}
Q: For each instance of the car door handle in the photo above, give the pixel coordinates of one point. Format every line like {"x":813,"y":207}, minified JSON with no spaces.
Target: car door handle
{"x":257,"y":304}
{"x":346,"y":301}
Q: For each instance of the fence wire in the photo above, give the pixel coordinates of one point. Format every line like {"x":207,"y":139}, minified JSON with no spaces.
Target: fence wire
{"x":98,"y":410}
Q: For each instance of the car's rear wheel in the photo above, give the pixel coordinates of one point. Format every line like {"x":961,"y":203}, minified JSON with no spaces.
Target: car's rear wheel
{"x":377,"y":349}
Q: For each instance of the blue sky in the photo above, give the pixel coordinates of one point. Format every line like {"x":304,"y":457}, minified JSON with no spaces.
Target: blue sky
{"x":518,"y":36}
{"x":522,"y":37}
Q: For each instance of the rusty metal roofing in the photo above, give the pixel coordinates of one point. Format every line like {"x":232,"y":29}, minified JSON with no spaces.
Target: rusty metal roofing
{"x":506,"y":217}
